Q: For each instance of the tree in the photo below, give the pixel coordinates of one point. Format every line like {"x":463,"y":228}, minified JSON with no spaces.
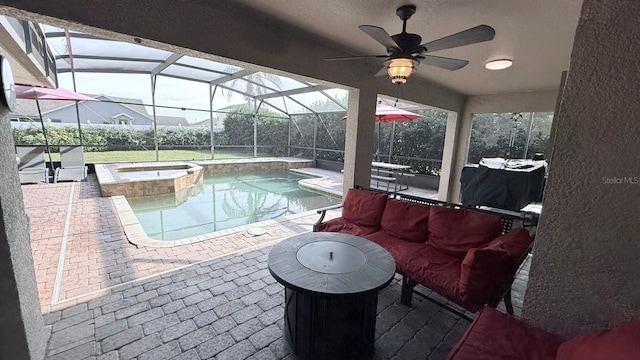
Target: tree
{"x":250,"y":205}
{"x":252,"y":84}
{"x":506,"y":135}
{"x":420,"y":142}
{"x":272,"y":130}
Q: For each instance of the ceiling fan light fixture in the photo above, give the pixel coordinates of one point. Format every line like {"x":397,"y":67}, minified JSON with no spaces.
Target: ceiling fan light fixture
{"x":400,"y":69}
{"x":499,"y":64}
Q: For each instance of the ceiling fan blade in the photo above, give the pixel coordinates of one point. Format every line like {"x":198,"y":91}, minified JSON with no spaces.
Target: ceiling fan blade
{"x":474,"y":35}
{"x":382,"y":71}
{"x":356,"y":57}
{"x":380,"y":35}
{"x":442,"y":62}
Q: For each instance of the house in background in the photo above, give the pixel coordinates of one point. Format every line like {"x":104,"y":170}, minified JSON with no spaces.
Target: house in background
{"x":108,"y":110}
{"x":219,"y":116}
{"x":172,"y":121}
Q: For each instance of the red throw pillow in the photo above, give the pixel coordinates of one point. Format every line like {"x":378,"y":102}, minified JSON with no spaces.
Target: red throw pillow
{"x":514,"y":242}
{"x":405,"y":220}
{"x":479,"y":262}
{"x":481,"y":272}
{"x":455,"y":231}
{"x":622,"y":343}
{"x":364,"y":207}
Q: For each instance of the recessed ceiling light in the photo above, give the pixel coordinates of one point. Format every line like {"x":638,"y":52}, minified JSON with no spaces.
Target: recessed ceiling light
{"x":499,"y":64}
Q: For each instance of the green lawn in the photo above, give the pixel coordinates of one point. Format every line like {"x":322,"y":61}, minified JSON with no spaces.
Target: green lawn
{"x":165,"y":155}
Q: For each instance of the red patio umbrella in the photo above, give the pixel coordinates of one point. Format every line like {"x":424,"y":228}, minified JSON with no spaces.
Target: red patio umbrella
{"x":386,"y":113}
{"x":39,"y":93}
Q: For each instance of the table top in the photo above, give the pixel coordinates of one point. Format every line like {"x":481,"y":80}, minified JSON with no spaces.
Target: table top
{"x":384,"y":165}
{"x":331,"y":264}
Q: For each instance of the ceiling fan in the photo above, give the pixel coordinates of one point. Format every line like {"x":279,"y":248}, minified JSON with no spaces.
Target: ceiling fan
{"x":404,"y":51}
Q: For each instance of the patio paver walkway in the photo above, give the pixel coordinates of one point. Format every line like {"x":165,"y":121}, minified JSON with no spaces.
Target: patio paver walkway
{"x":106,"y":299}
{"x":98,"y":256}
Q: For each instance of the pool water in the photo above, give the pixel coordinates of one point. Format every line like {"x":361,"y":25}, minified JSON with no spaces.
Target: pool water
{"x":223,"y":202}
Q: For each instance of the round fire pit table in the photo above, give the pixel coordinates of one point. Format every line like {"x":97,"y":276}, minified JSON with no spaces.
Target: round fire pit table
{"x":331,"y":285}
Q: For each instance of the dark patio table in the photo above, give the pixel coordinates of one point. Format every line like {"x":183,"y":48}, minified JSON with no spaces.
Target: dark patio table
{"x":331,"y":285}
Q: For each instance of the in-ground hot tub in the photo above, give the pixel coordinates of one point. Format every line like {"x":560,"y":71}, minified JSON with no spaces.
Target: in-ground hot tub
{"x":141,"y":179}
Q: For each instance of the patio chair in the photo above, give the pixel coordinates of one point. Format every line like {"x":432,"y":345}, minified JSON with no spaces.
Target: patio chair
{"x":31,"y":166}
{"x":72,"y":167}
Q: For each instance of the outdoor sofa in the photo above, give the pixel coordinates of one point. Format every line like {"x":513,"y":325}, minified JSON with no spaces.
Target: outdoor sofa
{"x":495,"y":335}
{"x":468,"y":256}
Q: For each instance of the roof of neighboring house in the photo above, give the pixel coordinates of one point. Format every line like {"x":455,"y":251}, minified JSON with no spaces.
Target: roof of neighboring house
{"x":204,"y":122}
{"x":29,"y":107}
{"x":135,"y":104}
{"x":225,"y":110}
{"x":232,"y":108}
{"x":122,"y":115}
{"x":171,"y":121}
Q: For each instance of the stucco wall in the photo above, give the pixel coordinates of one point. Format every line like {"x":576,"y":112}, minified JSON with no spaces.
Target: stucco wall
{"x":585,"y":273}
{"x":22,"y":333}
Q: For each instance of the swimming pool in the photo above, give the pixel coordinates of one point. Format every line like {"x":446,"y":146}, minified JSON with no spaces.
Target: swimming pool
{"x":223,"y":202}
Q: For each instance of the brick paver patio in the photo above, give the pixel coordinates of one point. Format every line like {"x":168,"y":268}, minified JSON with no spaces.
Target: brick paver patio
{"x":104,"y":298}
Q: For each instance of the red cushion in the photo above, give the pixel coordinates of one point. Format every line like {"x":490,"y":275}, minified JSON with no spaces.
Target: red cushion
{"x":485,"y":269}
{"x":481,"y":272}
{"x":458,"y":230}
{"x":401,"y":250}
{"x":343,"y":226}
{"x":495,"y":335}
{"x":622,"y":343}
{"x":437,"y":270}
{"x":364,"y":208}
{"x":405,"y":220}
{"x":514,"y":242}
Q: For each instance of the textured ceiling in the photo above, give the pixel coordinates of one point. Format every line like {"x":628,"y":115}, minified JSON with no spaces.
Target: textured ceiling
{"x":536,"y":34}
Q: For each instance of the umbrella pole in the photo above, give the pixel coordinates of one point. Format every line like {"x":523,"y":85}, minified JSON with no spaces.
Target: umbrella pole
{"x":79,"y":127}
{"x":378,"y":149}
{"x":44,"y":133}
{"x":393,"y":131}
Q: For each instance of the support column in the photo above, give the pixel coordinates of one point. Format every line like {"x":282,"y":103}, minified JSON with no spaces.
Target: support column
{"x":584,"y":272}
{"x":212,"y":140}
{"x":454,"y":157}
{"x":73,"y":80}
{"x":154,"y":78}
{"x":289,"y":137}
{"x":315,"y":138}
{"x":22,"y":334}
{"x":255,"y":127}
{"x":361,"y":116}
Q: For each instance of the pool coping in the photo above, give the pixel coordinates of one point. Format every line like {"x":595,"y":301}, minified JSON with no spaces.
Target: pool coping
{"x":111,"y":184}
{"x":136,"y":234}
{"x":324,"y":185}
{"x":106,"y":173}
